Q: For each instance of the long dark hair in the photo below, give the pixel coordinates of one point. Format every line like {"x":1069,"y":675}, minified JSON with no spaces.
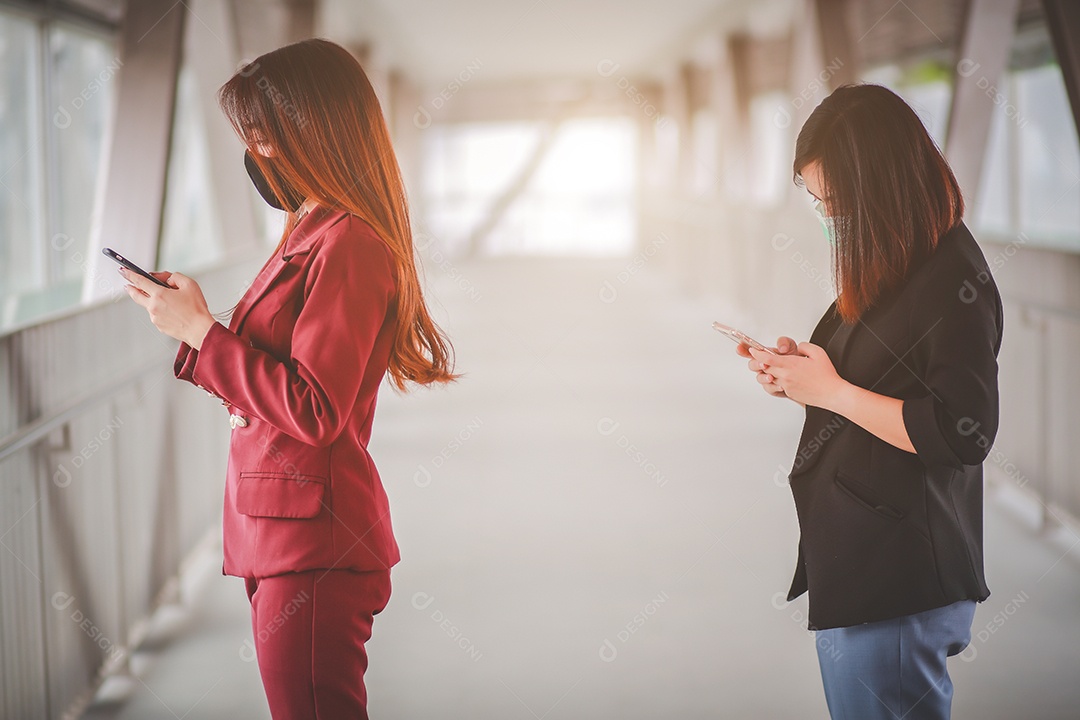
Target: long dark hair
{"x":313,"y":105}
{"x":889,"y":190}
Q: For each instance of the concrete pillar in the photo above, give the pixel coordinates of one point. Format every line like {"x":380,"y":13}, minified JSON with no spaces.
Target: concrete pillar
{"x":213,"y":56}
{"x":838,"y":42}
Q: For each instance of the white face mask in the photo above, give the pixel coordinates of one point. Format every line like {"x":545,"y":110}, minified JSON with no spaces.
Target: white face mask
{"x":827,"y":223}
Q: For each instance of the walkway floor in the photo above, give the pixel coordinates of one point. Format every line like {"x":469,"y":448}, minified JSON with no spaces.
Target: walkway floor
{"x":592,"y":526}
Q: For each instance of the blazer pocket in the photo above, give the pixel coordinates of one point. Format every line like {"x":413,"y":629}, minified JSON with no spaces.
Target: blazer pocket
{"x":279,"y":495}
{"x":864,"y":496}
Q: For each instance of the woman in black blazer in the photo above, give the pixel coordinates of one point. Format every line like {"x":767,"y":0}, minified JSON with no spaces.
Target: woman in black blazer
{"x":899,"y":381}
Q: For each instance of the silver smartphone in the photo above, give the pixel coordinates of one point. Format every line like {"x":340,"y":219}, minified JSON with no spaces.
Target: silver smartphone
{"x":741,"y":337}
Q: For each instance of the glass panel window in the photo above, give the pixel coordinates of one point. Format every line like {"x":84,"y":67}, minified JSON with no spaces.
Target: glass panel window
{"x":83,"y":69}
{"x":996,"y":203}
{"x":1030,"y":186}
{"x":22,"y":172}
{"x":56,"y":98}
{"x":581,"y":199}
{"x":465,"y":168}
{"x":577,"y":186}
{"x":191,"y":237}
{"x":772,"y":146}
{"x":1049,"y":159}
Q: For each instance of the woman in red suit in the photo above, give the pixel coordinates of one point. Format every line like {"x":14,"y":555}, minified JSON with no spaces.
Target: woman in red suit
{"x":336,"y":307}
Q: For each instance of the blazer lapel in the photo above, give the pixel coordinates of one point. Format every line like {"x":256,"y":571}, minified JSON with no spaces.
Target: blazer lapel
{"x":300,"y":241}
{"x":836,"y":337}
{"x":821,"y":425}
{"x":258,"y":288}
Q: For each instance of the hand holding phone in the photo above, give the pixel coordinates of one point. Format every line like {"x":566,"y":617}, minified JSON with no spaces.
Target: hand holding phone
{"x":740,"y":337}
{"x":117,"y":257}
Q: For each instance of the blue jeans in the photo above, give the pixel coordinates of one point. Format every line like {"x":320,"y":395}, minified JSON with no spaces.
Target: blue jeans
{"x":894,"y":669}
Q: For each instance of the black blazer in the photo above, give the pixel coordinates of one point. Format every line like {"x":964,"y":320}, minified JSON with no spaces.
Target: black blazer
{"x":886,"y":532}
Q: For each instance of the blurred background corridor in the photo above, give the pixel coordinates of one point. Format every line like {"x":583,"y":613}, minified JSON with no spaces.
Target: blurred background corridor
{"x":595,"y":521}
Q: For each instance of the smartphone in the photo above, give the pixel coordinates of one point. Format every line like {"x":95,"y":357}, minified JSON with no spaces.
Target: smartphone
{"x":740,"y":337}
{"x":113,"y":255}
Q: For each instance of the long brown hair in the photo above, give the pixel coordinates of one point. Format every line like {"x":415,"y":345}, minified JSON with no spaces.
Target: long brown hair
{"x":889,"y":190}
{"x":313,"y":105}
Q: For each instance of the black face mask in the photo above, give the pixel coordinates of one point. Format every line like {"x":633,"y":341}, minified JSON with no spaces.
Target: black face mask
{"x":291,"y":198}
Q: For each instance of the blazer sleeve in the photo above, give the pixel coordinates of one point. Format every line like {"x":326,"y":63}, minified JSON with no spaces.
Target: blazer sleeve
{"x":349,"y":290}
{"x":185,"y":362}
{"x":956,"y":328}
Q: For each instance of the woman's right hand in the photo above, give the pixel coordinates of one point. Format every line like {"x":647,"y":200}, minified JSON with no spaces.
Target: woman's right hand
{"x":784,"y":346}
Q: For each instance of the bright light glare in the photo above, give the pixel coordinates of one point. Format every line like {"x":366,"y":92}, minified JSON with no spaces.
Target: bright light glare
{"x":579,"y":199}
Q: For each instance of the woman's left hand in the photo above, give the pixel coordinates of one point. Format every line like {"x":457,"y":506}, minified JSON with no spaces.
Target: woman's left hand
{"x":179,"y":311}
{"x":808,"y":377}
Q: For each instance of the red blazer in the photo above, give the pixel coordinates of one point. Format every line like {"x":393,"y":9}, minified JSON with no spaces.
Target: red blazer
{"x":300,"y":364}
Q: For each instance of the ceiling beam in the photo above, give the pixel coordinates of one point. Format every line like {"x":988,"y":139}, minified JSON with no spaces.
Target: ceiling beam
{"x":986,"y":42}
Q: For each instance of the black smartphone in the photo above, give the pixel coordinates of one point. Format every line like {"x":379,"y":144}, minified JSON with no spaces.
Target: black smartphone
{"x":113,"y":255}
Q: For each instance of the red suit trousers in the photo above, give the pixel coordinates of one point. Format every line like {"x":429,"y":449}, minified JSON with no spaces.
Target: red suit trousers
{"x":310,"y":629}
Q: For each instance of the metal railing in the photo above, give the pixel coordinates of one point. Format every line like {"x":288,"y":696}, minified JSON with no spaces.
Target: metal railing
{"x":111,"y":472}
{"x":1056,"y":484}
